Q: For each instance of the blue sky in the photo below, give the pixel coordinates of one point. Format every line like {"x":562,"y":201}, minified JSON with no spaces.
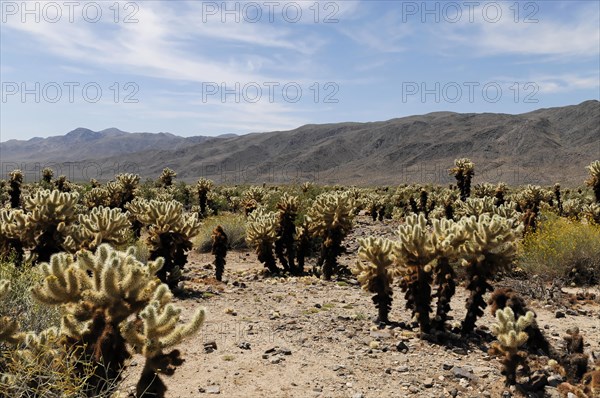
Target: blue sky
{"x":167,"y":63}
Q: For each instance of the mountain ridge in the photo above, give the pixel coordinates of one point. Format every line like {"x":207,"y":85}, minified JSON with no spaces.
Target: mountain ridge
{"x":543,"y":146}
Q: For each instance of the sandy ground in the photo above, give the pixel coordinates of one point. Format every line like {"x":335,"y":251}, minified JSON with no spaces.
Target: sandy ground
{"x":302,"y":337}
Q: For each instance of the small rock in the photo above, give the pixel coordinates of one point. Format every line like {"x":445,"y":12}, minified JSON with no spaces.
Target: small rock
{"x":388,"y":371}
{"x":555,"y":380}
{"x":244,"y":345}
{"x":381,"y":334}
{"x":413,"y":389}
{"x":559,"y":314}
{"x":464,"y":383}
{"x":213,"y":390}
{"x":453,"y":392}
{"x":463,"y":373}
{"x":338,"y":367}
{"x":265,"y":356}
{"x":210,"y":346}
{"x":275,"y":361}
{"x":402,"y":347}
{"x":551,"y":392}
{"x":403,"y":369}
{"x":358,"y":395}
{"x":318,"y":305}
{"x":285,"y":351}
{"x":447,"y":366}
{"x":271,"y":350}
{"x":428,"y":382}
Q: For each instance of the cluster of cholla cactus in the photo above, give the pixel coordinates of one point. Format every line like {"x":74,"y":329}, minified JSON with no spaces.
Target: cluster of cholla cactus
{"x":463,"y":171}
{"x":101,"y":225}
{"x":376,"y":273}
{"x":170,"y":231}
{"x":109,"y":301}
{"x":203,"y":187}
{"x":219,"y":250}
{"x":47,"y":222}
{"x":330,"y":219}
{"x":511,"y":335}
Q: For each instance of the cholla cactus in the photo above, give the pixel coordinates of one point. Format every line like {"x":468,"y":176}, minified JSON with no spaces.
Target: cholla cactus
{"x":330,"y":219}
{"x":97,"y":197}
{"x":49,"y":219}
{"x":170,"y":234}
{"x":463,"y":171}
{"x":529,"y":200}
{"x":12,"y":225}
{"x":98,"y":294}
{"x":166,"y":177}
{"x":47,"y":174}
{"x":203,"y":186}
{"x":592,"y":213}
{"x":62,"y":184}
{"x":101,"y":225}
{"x":219,"y":250}
{"x":249,"y":206}
{"x":491,"y":247}
{"x":15,"y":181}
{"x":261,"y":233}
{"x":594,"y":180}
{"x":127,"y":186}
{"x":303,"y":246}
{"x":511,"y":335}
{"x":416,"y":256}
{"x":376,"y":274}
{"x":285,"y":244}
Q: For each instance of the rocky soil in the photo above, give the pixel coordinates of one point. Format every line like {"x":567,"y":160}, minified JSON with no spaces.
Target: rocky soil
{"x":303,"y":337}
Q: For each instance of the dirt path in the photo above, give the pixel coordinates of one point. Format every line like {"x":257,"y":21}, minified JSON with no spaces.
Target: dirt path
{"x":303,"y":337}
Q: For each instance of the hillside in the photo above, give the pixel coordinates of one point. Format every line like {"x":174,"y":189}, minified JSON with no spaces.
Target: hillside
{"x":542,"y":147}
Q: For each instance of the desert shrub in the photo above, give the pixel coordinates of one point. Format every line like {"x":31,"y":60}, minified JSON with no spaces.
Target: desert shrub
{"x":32,"y":315}
{"x":563,"y":248}
{"x":234,"y":226}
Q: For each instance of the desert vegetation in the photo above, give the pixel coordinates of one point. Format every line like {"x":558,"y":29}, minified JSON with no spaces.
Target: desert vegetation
{"x":91,"y":273}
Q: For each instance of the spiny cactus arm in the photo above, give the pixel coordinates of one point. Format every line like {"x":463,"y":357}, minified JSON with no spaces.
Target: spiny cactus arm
{"x":159,"y":328}
{"x":416,"y":246}
{"x":510,"y":333}
{"x":64,"y":282}
{"x":105,"y":225}
{"x":378,"y":262}
{"x":261,"y":227}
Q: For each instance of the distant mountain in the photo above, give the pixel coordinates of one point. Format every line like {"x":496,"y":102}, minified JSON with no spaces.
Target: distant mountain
{"x":83,"y":143}
{"x":541,"y":147}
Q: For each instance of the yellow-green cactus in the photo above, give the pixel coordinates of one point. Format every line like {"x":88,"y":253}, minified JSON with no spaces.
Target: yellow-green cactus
{"x":330,"y":219}
{"x":49,"y":220}
{"x":15,"y":181}
{"x":463,"y":171}
{"x":261,"y":234}
{"x":12,"y":226}
{"x":511,"y":335}
{"x":101,"y":225}
{"x":491,"y":247}
{"x":594,"y":180}
{"x":286,"y":229}
{"x":166,"y":177}
{"x":376,"y":273}
{"x":170,"y":233}
{"x":203,"y":187}
{"x":98,"y":294}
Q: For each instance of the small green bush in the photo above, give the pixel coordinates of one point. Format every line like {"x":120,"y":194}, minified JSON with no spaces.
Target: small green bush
{"x":33,"y":316}
{"x":563,"y":248}
{"x":234,"y":226}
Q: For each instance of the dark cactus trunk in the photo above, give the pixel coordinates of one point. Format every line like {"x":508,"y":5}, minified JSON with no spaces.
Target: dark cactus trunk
{"x":445,"y":280}
{"x":478,"y":286}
